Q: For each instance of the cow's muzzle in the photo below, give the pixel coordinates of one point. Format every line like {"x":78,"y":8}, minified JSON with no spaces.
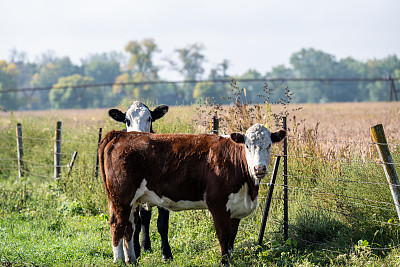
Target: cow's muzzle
{"x":260,"y":171}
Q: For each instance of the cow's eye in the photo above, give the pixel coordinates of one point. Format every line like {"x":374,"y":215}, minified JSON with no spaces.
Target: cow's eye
{"x":269,"y":146}
{"x":149,"y":120}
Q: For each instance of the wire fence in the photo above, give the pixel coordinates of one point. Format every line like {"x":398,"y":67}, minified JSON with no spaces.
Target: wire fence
{"x":332,"y":190}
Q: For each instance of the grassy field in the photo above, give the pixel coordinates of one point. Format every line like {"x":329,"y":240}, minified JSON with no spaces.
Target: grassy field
{"x":340,"y":208}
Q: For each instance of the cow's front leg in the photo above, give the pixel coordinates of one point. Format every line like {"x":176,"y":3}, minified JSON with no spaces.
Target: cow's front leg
{"x":162,"y":226}
{"x":145,"y":216}
{"x":222,"y":224}
{"x":234,"y":226}
{"x":129,"y":248}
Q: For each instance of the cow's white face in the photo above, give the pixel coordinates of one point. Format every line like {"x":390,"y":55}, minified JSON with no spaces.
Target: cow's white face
{"x":138,"y":117}
{"x":258,"y":140}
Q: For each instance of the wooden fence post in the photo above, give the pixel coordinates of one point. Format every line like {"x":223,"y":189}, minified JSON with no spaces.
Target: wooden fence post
{"x":71,"y":164}
{"x":378,"y":135}
{"x":285,"y":186}
{"x":57,"y":151}
{"x":20,"y":151}
{"x":268,"y":201}
{"x":96,"y":171}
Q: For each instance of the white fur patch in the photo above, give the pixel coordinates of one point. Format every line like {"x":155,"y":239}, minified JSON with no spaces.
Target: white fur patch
{"x":143,"y":194}
{"x":239,"y":204}
{"x":118,"y":251}
{"x":139,"y":117}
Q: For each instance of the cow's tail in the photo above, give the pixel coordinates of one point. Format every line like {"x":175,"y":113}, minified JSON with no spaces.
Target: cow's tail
{"x":101,"y":150}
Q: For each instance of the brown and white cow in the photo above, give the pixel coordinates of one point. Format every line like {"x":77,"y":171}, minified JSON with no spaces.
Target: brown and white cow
{"x":140,"y":118}
{"x":183,"y":172}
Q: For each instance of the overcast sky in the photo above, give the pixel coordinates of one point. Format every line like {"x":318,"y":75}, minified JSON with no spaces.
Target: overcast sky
{"x":252,"y":34}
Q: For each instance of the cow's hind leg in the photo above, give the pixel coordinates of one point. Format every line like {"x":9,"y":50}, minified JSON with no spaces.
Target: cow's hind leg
{"x":129,"y":248}
{"x":136,"y":234}
{"x":162,"y":226}
{"x":119,"y":218}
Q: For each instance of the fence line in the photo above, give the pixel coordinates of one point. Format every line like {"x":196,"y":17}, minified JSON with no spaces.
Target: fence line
{"x":342,"y":160}
{"x":329,"y":193}
{"x":335,"y":194}
{"x":341,"y":180}
{"x":352,"y":202}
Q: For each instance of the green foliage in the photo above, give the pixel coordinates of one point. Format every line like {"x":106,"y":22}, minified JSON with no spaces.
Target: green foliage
{"x":8,"y":80}
{"x":103,"y":68}
{"x":188,"y":63}
{"x":64,"y":223}
{"x":68,"y":96}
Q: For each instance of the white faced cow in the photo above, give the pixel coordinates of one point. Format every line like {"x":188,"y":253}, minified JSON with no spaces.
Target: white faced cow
{"x":183,"y":172}
{"x":139,"y":118}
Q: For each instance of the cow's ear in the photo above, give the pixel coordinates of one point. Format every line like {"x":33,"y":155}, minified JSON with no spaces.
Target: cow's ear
{"x":278,"y":136}
{"x":158,"y":112}
{"x":237,"y":137}
{"x":117,"y":115}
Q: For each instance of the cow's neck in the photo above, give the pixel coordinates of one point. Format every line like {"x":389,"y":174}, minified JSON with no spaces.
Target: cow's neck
{"x":253,"y":188}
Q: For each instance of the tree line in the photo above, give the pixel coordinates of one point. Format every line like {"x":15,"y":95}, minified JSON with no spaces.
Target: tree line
{"x":137,"y":64}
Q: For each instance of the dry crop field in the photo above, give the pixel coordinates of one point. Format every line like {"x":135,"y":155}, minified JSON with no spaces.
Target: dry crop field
{"x":341,"y":211}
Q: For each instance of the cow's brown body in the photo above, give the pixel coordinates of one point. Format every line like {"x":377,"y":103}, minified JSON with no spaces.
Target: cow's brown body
{"x":182,"y":171}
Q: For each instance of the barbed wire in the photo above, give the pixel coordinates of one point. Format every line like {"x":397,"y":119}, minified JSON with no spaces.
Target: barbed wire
{"x":281,"y":80}
{"x":293,"y":228}
{"x":339,"y":141}
{"x":8,"y":136}
{"x":8,"y":159}
{"x":338,"y":180}
{"x":352,"y":202}
{"x":335,"y":194}
{"x":38,"y":175}
{"x":343,"y":160}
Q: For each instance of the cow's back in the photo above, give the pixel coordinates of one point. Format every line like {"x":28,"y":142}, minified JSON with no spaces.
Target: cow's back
{"x":179,"y":166}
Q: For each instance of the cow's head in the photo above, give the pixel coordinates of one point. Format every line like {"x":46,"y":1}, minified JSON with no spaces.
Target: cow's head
{"x":258,"y":140}
{"x":138,"y":117}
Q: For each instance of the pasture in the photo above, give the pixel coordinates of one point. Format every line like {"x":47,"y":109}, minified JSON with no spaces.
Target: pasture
{"x":341,"y":210}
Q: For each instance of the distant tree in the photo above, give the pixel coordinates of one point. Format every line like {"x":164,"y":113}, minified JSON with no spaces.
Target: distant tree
{"x":8,"y":80}
{"x":103,"y":68}
{"x":140,"y":68}
{"x":49,"y":74}
{"x":311,"y":63}
{"x":217,"y":90}
{"x":189,"y":65}
{"x":73,"y":97}
{"x":253,"y":89}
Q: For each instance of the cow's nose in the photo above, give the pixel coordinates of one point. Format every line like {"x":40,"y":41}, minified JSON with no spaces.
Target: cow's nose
{"x":260,"y":169}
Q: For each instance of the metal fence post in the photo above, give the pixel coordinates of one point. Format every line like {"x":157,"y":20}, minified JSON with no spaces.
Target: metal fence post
{"x":285,"y":186}
{"x":392,"y":89}
{"x":96,"y":171}
{"x":57,"y":151}
{"x":20,"y":151}
{"x":268,"y":201}
{"x":378,"y":135}
{"x":214,"y":125}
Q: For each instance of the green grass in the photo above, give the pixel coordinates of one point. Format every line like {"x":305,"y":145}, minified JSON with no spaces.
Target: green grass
{"x":64,"y":223}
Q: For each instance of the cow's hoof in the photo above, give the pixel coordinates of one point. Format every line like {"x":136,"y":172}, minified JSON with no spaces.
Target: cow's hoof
{"x":167,"y":256}
{"x":147,"y":249}
{"x":146,"y":245}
